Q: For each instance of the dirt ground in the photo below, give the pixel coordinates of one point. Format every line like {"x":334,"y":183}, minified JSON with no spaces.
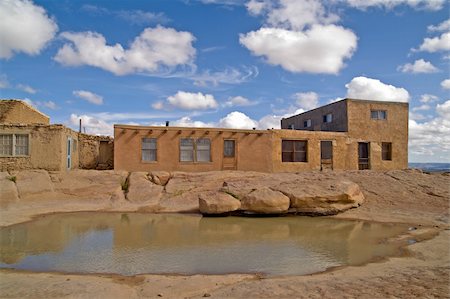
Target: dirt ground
{"x":421,"y":271}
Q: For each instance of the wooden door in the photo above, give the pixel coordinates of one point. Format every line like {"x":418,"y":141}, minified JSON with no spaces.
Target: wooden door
{"x":229,"y":154}
{"x":326,"y":155}
{"x":363,"y":156}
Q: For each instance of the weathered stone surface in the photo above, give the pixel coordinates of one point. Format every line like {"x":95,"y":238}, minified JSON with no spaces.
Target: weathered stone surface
{"x":265,"y":201}
{"x":33,"y":182}
{"x":89,"y":184}
{"x":141,"y":189}
{"x":8,"y":188}
{"x":326,"y":198}
{"x":160,"y":177}
{"x":217,"y":203}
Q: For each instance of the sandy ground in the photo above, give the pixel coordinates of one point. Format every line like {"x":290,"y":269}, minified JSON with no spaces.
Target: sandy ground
{"x":421,"y":271}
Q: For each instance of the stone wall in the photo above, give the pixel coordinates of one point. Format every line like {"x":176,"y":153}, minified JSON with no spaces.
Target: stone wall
{"x":96,"y":152}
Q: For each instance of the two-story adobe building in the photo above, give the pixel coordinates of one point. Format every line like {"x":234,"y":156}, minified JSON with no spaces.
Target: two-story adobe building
{"x":347,"y":135}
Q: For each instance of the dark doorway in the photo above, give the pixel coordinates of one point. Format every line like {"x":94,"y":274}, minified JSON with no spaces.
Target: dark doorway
{"x":363,"y":156}
{"x":326,"y":155}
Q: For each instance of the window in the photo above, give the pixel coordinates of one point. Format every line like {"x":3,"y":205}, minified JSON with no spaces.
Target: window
{"x":327,"y":118}
{"x":228,"y":148}
{"x":200,"y":150}
{"x":307,"y":123}
{"x":294,"y":151}
{"x":386,"y":151}
{"x":148,"y":149}
{"x":378,"y":114}
{"x":203,"y":150}
{"x":14,"y":145}
{"x":291,"y":127}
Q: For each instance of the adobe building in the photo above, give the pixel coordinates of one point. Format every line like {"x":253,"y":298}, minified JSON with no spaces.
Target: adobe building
{"x":29,"y":141}
{"x":345,"y":135}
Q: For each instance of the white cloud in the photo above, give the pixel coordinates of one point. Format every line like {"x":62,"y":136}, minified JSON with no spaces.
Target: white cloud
{"x":431,"y":139}
{"x":91,"y":125}
{"x":188,"y":122}
{"x":153,"y":49}
{"x":89,"y":96}
{"x":445,"y":84}
{"x":307,"y":100}
{"x":296,"y":14}
{"x":49,"y":104}
{"x":140,"y":17}
{"x":158,"y":105}
{"x":419,"y":66}
{"x":25,"y":28}
{"x":444,"y":26}
{"x":270,"y":121}
{"x":428,"y":98}
{"x":192,"y":101}
{"x":421,"y":108}
{"x":320,"y":49}
{"x":238,"y":101}
{"x":256,"y":7}
{"x":435,"y":44}
{"x":390,"y":4}
{"x":373,"y":89}
{"x":4,"y":83}
{"x":26,"y":88}
{"x":237,"y":120}
{"x":227,"y":76}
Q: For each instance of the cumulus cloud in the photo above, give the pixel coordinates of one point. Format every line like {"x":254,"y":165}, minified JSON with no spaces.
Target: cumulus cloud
{"x":445,"y":84}
{"x":237,"y":120}
{"x":428,"y":98}
{"x":444,"y":26}
{"x":153,"y":49}
{"x":89,"y":96}
{"x":238,"y":101}
{"x":25,"y":28}
{"x":373,"y":89}
{"x":390,"y":4}
{"x":422,"y":107}
{"x":419,"y":66}
{"x":256,"y":7}
{"x":92,"y":125}
{"x":307,"y":100}
{"x":431,"y":139}
{"x":320,"y":49}
{"x":186,"y":121}
{"x":192,"y":101}
{"x":435,"y":44}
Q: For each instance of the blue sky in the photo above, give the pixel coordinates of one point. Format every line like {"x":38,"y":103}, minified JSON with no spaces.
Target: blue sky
{"x":228,"y":63}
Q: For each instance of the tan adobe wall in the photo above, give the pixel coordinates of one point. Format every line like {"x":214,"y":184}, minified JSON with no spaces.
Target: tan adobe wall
{"x":19,"y":112}
{"x":339,"y":123}
{"x":89,"y":151}
{"x":253,"y":148}
{"x":45,"y":148}
{"x":394,"y":129}
{"x":340,"y":143}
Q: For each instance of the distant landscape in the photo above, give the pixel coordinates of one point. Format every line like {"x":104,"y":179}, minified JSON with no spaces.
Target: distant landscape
{"x":431,"y":167}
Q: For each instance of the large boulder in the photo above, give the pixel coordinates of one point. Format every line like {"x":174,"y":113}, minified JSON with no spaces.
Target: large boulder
{"x":217,"y":203}
{"x":160,"y":177}
{"x":265,"y":201}
{"x":8,"y":189}
{"x":326,"y":198}
{"x":33,"y":184}
{"x":142,"y":190}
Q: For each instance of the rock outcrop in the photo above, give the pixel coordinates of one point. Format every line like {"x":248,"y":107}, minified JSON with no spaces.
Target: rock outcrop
{"x":265,"y":201}
{"x":141,"y":189}
{"x":212,"y":203}
{"x":33,"y":183}
{"x":8,"y":188}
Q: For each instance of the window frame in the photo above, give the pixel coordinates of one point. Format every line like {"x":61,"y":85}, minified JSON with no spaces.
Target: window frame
{"x":149,"y":149}
{"x":195,"y":150}
{"x":326,"y":119}
{"x":294,"y":150}
{"x":15,"y":146}
{"x":379,"y":113}
{"x":307,"y":123}
{"x":388,"y":153}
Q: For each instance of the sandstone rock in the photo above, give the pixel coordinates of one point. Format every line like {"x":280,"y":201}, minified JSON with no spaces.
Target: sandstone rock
{"x":217,"y":203}
{"x":326,"y":198}
{"x":141,"y":189}
{"x":8,"y":190}
{"x":31,"y":183}
{"x":265,"y":201}
{"x":160,"y":177}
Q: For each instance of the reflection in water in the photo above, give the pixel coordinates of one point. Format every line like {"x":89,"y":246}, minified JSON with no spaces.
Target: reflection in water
{"x":168,"y":243}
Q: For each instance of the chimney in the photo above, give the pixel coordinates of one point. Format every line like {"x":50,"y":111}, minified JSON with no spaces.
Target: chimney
{"x":80,"y":126}
{"x":167,"y":123}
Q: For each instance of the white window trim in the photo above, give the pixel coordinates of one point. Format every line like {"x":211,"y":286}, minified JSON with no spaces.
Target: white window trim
{"x":14,"y":144}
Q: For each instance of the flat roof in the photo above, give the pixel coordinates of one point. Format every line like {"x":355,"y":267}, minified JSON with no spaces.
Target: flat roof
{"x":351,"y":100}
{"x":134,"y":127}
